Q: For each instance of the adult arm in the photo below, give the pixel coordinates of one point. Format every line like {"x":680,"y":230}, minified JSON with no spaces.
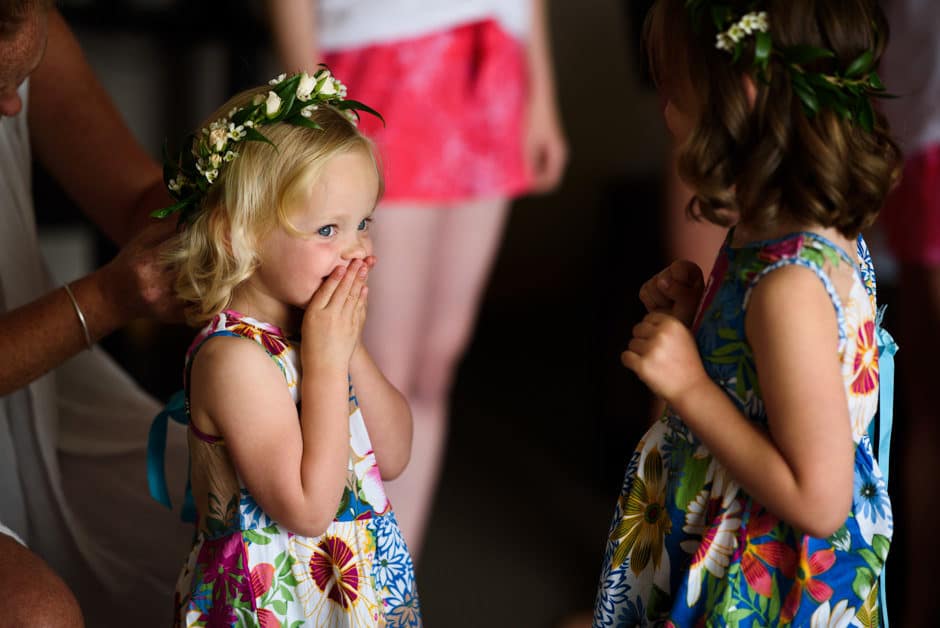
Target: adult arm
{"x":294,"y":26}
{"x":79,"y":137}
{"x":545,"y":145}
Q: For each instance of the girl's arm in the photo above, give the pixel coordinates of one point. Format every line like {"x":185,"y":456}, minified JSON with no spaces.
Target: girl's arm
{"x":385,"y":412}
{"x":546,"y":149}
{"x":294,"y":27}
{"x":295,"y":473}
{"x":802,"y":469}
{"x":296,"y":470}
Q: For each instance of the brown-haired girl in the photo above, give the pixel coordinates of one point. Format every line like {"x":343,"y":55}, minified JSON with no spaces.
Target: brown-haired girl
{"x":756,"y":498}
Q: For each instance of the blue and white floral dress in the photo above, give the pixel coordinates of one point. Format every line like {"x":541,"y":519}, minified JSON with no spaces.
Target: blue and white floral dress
{"x":688,"y":546}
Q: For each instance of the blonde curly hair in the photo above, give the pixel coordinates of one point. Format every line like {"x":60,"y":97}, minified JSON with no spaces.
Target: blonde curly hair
{"x":254,"y":194}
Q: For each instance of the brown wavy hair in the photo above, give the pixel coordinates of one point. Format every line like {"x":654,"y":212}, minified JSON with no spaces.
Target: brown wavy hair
{"x":770,"y":163}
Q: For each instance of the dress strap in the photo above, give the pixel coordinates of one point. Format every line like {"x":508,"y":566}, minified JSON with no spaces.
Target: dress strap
{"x":177,"y":409}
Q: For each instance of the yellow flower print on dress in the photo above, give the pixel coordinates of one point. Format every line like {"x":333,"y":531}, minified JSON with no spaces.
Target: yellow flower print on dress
{"x":645,"y":521}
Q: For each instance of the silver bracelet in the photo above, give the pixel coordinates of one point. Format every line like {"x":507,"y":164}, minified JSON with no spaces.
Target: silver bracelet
{"x":81,"y":316}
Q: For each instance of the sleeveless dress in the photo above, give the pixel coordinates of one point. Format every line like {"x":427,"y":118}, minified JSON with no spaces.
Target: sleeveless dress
{"x":688,"y":546}
{"x":246,"y":570}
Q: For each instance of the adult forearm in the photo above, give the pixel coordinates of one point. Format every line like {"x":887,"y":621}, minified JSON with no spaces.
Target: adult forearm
{"x":41,"y":335}
{"x":539,"y":54}
{"x":294,"y":25}
{"x":385,"y":412}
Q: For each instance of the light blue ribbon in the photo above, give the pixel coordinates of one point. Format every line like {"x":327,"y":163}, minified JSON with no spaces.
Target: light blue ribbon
{"x":156,"y":456}
{"x":887,"y":348}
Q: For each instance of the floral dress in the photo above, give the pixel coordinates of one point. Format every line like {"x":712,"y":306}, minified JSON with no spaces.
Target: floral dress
{"x":688,"y":546}
{"x":246,"y":570}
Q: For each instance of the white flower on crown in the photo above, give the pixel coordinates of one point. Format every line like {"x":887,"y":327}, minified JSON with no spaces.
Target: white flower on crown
{"x":212,"y":175}
{"x":275,"y":81}
{"x":308,"y":110}
{"x":176,"y":184}
{"x":755,"y":22}
{"x":724,"y":42}
{"x":327,"y":87}
{"x":236,"y":133}
{"x":215,"y":160}
{"x":218,"y":136}
{"x":230,"y":156}
{"x":305,"y":87}
{"x":272,"y":105}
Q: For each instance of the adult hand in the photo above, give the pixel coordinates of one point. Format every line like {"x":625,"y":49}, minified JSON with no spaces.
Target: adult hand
{"x":676,"y":290}
{"x":545,"y":147}
{"x":334,"y":318}
{"x":138,"y":281}
{"x":663,"y":354}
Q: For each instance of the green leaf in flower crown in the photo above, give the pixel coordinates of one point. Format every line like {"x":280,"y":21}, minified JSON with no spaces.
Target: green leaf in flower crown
{"x":762,"y":48}
{"x":803,"y":55}
{"x":287,"y":87}
{"x":808,"y":97}
{"x":874,"y":82}
{"x":358,"y":106}
{"x":299,"y":120}
{"x":861,"y":65}
{"x":175,"y":207}
{"x":253,"y":135}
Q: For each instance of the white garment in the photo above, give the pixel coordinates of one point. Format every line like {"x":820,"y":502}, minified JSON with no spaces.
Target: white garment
{"x":10,"y":533}
{"x":72,"y":445}
{"x":911,"y":68}
{"x":345,"y":24}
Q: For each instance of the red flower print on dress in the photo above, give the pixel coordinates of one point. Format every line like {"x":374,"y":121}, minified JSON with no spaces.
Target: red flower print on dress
{"x":261,"y":578}
{"x":866,"y":360}
{"x":757,"y":556}
{"x":784,"y":249}
{"x":333,"y":568}
{"x":809,"y":567}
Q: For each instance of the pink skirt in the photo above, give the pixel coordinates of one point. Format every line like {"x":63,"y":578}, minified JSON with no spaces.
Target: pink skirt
{"x":911,"y":217}
{"x":454,"y":105}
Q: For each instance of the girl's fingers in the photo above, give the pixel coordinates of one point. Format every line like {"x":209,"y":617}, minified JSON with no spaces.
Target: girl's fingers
{"x":324,"y":293}
{"x":639,"y":346}
{"x":653,"y":298}
{"x":630,"y":360}
{"x":351,"y":276}
{"x":644,"y":330}
{"x":358,"y":282}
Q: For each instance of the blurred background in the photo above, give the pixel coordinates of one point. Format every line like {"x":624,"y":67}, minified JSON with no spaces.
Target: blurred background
{"x":543,"y":416}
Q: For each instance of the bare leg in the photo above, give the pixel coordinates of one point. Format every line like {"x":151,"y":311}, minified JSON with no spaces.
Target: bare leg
{"x":920,"y":463}
{"x":33,"y":595}
{"x":432,"y":324}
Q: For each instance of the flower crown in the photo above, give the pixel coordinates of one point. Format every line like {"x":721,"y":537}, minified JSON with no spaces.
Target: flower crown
{"x":847,"y":92}
{"x":189,"y":174}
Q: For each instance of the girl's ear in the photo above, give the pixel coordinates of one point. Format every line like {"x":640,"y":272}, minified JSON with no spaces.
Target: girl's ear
{"x":750,"y":90}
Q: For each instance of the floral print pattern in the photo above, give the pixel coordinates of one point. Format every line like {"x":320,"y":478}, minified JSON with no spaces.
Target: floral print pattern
{"x":688,"y":547}
{"x":246,"y":570}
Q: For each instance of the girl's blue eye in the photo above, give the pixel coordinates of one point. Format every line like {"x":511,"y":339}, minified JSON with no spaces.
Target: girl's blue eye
{"x":364,"y":225}
{"x":326,"y":231}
